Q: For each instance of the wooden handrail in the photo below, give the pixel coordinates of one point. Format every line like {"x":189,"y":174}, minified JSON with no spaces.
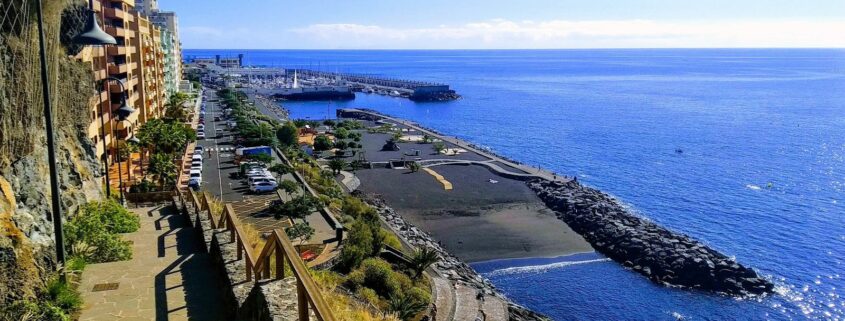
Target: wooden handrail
{"x":307,"y":290}
{"x":309,"y":297}
{"x":230,"y":222}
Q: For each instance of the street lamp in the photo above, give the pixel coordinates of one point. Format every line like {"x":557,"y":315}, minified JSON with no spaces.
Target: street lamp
{"x":122,"y":113}
{"x":92,"y":35}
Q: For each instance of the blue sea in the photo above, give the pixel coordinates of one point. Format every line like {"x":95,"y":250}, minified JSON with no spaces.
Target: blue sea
{"x":761,"y":176}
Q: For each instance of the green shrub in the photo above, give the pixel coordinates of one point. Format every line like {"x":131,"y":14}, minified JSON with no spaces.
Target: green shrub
{"x":76,"y":263}
{"x":369,"y":296}
{"x":33,"y":310}
{"x":379,"y":276}
{"x":355,"y":280}
{"x":112,"y":215}
{"x":97,"y":225}
{"x":390,"y":239}
{"x":64,"y":296}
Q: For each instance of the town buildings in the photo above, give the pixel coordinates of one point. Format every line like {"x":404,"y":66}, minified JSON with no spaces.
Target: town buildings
{"x":145,"y":67}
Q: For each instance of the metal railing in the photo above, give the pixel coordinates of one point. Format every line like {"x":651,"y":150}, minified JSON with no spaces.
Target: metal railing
{"x":278,"y":247}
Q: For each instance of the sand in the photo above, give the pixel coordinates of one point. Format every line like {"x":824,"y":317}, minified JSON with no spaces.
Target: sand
{"x":476,"y":220}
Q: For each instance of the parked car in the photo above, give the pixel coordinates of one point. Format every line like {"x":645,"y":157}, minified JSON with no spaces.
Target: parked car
{"x":196,"y":157}
{"x":198,"y":148}
{"x":216,"y":118}
{"x":201,"y":127}
{"x":195,"y":176}
{"x":263,"y":187}
{"x":260,"y":179}
{"x":196,"y":165}
{"x":200,"y":135}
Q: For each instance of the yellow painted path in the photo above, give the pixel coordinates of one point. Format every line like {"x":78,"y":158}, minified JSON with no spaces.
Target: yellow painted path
{"x":446,"y":184}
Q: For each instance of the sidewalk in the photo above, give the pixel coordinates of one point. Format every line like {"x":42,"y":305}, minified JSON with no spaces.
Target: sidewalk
{"x":168,"y":278}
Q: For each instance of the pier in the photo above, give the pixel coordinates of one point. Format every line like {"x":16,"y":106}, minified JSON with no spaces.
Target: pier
{"x":412,"y":89}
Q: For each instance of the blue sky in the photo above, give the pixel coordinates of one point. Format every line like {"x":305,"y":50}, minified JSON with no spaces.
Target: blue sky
{"x":501,"y":24}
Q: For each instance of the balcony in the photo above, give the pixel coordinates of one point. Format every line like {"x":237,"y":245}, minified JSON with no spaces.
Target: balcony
{"x":117,"y":50}
{"x":115,"y":69}
{"x":115,"y":13}
{"x":116,"y":31}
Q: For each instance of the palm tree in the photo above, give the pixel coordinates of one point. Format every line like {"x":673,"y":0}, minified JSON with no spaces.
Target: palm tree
{"x":439,"y":147}
{"x":422,"y":259}
{"x":337,"y":165}
{"x":414,"y":167}
{"x":162,"y":169}
{"x":405,"y":307}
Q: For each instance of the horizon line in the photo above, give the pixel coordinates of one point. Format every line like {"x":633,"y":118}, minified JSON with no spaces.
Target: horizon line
{"x":517,"y":49}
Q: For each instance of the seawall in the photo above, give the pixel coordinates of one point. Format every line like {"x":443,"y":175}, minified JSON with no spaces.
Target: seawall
{"x":657,"y":253}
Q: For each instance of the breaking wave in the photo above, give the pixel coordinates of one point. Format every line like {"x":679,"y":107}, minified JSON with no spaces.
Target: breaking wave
{"x":539,"y":268}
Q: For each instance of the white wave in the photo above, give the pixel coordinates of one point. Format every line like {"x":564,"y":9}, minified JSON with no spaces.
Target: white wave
{"x":539,"y":268}
{"x":754,"y":187}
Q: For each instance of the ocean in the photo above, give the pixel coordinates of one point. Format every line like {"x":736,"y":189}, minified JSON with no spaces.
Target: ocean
{"x":743,"y":149}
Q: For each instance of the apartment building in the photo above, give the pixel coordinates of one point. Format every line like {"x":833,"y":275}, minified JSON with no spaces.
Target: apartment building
{"x":142,"y":67}
{"x":113,"y":62}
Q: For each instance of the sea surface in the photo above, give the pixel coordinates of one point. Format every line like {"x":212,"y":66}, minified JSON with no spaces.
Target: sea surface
{"x":741,"y":149}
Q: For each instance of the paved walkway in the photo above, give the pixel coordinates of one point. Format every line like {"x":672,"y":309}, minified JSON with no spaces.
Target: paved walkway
{"x":451,"y":139}
{"x":168,"y":278}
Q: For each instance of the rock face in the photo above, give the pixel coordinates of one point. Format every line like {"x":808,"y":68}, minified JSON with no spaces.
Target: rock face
{"x":26,"y":236}
{"x":655,"y":252}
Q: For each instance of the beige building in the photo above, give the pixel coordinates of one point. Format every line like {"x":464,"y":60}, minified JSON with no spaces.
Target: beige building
{"x":140,"y":61}
{"x":116,"y":61}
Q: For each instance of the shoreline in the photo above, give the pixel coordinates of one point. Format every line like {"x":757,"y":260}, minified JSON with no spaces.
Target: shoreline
{"x":555,"y":258}
{"x":659,"y":254}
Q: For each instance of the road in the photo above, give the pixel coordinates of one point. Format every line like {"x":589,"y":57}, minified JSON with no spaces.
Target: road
{"x":219,"y":171}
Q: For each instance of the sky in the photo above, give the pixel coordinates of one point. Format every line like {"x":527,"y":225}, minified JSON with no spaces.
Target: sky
{"x":508,"y":24}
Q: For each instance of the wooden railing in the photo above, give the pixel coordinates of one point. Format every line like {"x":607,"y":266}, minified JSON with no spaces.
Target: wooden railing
{"x":278,"y":248}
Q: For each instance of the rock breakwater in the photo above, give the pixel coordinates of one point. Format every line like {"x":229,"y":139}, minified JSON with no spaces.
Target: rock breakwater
{"x":657,"y":253}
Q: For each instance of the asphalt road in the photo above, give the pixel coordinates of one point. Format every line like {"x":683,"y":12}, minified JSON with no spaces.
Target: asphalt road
{"x":218,"y":160}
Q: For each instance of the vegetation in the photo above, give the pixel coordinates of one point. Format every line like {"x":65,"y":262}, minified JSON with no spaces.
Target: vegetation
{"x":301,"y":231}
{"x":58,"y":301}
{"x":414,"y":167}
{"x":337,"y":165}
{"x":298,"y":207}
{"x":289,"y":186}
{"x":162,"y":169}
{"x":97,"y":227}
{"x":421,"y":260}
{"x":439,"y":147}
{"x":322,"y":142}
{"x":288,"y":135}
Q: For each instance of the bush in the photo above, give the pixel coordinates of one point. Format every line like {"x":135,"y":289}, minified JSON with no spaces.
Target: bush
{"x":97,"y":225}
{"x":369,"y":296}
{"x":63,"y":296}
{"x":114,"y":216}
{"x":33,"y":310}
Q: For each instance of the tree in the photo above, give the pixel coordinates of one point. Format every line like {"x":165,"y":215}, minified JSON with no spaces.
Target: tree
{"x":439,"y":147}
{"x":422,"y":259}
{"x":329,"y":122}
{"x":322,"y":142}
{"x":337,"y":165}
{"x":162,"y":169}
{"x":301,"y":231}
{"x":397,"y":137}
{"x":414,"y":167}
{"x":281,"y":169}
{"x":340,"y":144}
{"x":352,"y":145}
{"x":298,"y":207}
{"x":289,"y":186}
{"x":405,"y":307}
{"x":288,"y":135}
{"x":341,"y":133}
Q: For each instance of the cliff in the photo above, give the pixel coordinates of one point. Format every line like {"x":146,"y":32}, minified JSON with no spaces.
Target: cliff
{"x":26,"y":236}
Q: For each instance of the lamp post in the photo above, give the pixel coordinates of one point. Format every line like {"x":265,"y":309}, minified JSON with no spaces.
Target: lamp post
{"x":122,"y":113}
{"x":51,"y":144}
{"x":92,"y":35}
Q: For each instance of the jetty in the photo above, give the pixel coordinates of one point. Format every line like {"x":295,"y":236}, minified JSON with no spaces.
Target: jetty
{"x":411,"y":89}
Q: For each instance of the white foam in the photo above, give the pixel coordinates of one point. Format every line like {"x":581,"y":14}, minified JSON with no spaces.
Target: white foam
{"x":539,"y":268}
{"x":754,"y":187}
